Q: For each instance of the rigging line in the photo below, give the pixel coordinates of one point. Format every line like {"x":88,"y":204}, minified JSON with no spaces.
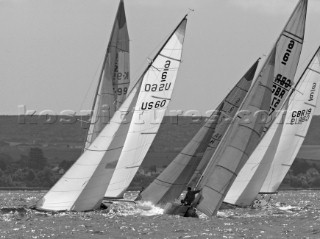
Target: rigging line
{"x":90,"y":86}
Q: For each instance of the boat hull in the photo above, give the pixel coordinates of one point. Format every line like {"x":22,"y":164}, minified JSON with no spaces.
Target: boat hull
{"x":180,"y":210}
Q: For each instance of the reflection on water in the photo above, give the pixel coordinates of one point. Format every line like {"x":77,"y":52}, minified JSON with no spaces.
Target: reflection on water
{"x":290,"y":214}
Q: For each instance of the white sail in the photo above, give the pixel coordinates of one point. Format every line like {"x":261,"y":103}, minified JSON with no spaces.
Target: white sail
{"x":83,"y":186}
{"x":152,"y":103}
{"x":174,"y":179}
{"x":242,"y":137}
{"x":114,"y":78}
{"x":297,"y":122}
{"x":249,"y":180}
{"x":87,"y":176}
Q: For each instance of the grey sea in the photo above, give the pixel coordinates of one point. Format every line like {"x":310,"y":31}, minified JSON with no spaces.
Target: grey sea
{"x":290,"y":214}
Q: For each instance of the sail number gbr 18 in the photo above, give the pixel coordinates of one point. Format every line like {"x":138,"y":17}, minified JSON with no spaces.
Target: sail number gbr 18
{"x":161,"y":86}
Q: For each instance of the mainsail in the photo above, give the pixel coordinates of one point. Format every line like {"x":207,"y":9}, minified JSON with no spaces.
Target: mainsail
{"x":114,"y":77}
{"x":124,"y":141}
{"x":238,"y":142}
{"x":173,"y":180}
{"x":152,"y":103}
{"x":249,"y":180}
{"x":297,"y":122}
{"x":268,"y":93}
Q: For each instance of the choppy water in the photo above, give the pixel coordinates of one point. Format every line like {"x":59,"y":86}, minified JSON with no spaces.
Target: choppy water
{"x":291,"y":214}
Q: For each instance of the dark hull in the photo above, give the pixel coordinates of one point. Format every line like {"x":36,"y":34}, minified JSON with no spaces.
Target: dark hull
{"x":180,"y":210}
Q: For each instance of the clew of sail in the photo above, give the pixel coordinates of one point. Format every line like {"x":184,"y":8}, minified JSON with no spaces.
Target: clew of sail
{"x":114,"y":77}
{"x":297,"y":122}
{"x":173,"y":180}
{"x":155,"y":95}
{"x":249,"y":180}
{"x":83,"y":186}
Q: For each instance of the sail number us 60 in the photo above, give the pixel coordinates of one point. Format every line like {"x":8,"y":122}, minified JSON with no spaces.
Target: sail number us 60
{"x":150,"y":105}
{"x":155,"y":87}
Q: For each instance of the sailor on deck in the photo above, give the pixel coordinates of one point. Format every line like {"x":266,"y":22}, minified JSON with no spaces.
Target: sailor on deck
{"x":190,"y":196}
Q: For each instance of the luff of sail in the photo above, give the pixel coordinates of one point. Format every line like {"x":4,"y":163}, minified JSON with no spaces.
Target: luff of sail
{"x":83,"y":186}
{"x":297,"y":122}
{"x":173,"y":180}
{"x":156,"y":92}
{"x":114,"y":77}
{"x":238,"y":142}
{"x":249,"y":180}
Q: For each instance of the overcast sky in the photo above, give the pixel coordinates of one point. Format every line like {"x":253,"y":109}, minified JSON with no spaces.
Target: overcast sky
{"x":51,"y":51}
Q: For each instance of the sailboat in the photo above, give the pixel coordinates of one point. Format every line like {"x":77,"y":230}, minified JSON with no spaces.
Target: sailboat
{"x":267,"y":95}
{"x":114,"y":77}
{"x":298,"y":120}
{"x":249,"y":180}
{"x":113,"y":158}
{"x":277,"y":161}
{"x":173,"y":180}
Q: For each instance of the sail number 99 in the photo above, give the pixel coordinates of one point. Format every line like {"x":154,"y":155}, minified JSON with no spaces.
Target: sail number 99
{"x":121,"y":91}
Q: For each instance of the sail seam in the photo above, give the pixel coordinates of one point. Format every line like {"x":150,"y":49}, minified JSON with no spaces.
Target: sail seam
{"x":162,"y":98}
{"x":218,"y":165}
{"x":213,"y":189}
{"x":230,"y":103}
{"x":284,"y":164}
{"x":104,"y":150}
{"x":299,"y":135}
{"x":241,"y":88}
{"x":307,"y":103}
{"x":171,"y":58}
{"x":265,"y":86}
{"x":280,"y":86}
{"x":299,"y":38}
{"x":314,"y":70}
{"x":187,"y":154}
{"x":168,"y":182}
{"x":253,"y":130}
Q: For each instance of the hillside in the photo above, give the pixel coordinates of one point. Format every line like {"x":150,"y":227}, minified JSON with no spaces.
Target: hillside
{"x":61,"y":140}
{"x":35,"y":151}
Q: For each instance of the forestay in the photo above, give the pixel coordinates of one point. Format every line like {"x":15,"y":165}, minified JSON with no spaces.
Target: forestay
{"x":297,"y":122}
{"x":114,"y":77}
{"x":173,"y":180}
{"x":155,"y":95}
{"x":249,"y":180}
{"x":83,"y":186}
